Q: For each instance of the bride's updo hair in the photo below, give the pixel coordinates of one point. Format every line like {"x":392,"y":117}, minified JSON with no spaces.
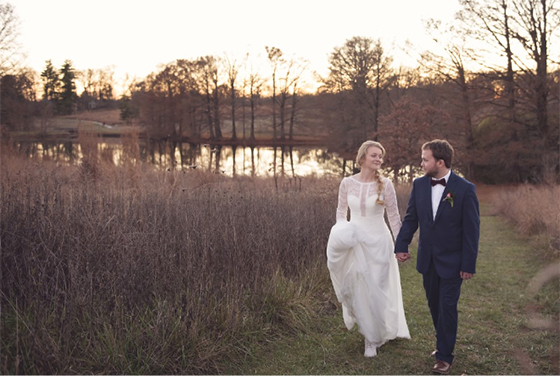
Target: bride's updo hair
{"x":362,"y":151}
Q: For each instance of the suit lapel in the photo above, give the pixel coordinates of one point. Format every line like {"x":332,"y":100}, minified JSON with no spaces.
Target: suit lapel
{"x":428,"y":198}
{"x":448,"y":188}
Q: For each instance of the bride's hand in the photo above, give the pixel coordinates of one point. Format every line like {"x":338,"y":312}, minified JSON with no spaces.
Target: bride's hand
{"x":402,"y":256}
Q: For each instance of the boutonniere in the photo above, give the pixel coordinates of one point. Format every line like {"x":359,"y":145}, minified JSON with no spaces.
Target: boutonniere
{"x":449,"y":198}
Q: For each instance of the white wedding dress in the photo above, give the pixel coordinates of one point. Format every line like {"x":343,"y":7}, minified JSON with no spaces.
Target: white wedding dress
{"x":362,"y":264}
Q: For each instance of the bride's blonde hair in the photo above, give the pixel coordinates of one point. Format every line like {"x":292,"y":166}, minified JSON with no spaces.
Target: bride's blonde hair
{"x":362,"y":151}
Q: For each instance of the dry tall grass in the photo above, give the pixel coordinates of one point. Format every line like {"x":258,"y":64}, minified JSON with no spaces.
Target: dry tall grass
{"x":535,"y":212}
{"x":132,"y":270}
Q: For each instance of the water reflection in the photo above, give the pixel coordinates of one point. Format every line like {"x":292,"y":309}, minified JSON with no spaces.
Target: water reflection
{"x":229,"y":160}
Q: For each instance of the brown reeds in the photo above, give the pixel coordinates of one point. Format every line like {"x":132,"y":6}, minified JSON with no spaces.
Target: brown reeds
{"x":534,"y":210}
{"x":129,"y":269}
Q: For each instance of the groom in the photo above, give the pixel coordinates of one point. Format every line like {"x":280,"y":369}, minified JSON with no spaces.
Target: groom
{"x":445,"y":207}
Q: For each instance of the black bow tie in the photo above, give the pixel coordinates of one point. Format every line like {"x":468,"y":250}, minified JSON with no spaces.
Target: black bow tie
{"x":440,"y":181}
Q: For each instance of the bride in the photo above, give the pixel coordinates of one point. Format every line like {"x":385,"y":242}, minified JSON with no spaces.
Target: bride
{"x":361,"y":261}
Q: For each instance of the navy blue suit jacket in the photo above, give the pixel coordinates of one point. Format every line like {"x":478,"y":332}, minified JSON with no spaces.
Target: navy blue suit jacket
{"x":451,"y":240}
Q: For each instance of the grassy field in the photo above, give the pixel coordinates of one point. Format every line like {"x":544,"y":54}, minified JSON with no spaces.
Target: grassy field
{"x":107,"y":123}
{"x":493,"y":334}
{"x":131,"y":270}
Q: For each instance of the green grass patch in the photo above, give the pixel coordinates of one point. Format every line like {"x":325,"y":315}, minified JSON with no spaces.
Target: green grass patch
{"x":493,"y":337}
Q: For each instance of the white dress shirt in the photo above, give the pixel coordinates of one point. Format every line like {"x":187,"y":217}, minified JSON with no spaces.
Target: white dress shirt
{"x":437,"y":192}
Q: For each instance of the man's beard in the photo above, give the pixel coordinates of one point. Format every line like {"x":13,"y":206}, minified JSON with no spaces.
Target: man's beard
{"x":431,"y":173}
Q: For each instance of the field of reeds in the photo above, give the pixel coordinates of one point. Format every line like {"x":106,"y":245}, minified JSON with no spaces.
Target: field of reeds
{"x":134,"y":270}
{"x":535,"y":213}
{"x":137,"y":270}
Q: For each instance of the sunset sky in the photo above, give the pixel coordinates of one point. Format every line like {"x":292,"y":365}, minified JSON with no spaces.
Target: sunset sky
{"x":135,"y":36}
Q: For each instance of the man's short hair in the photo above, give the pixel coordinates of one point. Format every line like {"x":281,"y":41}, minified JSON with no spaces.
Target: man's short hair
{"x":441,"y":149}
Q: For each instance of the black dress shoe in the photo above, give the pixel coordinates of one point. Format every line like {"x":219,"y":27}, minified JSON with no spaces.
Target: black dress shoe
{"x":441,"y":367}
{"x":434,"y":353}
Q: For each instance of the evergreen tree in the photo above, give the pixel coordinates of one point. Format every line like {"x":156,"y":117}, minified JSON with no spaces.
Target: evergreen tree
{"x":51,"y":83}
{"x":68,"y":95}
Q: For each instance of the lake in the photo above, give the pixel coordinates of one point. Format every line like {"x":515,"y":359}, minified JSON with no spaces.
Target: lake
{"x":228,"y":160}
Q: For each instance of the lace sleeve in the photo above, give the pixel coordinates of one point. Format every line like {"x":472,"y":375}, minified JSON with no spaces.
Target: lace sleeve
{"x":392,"y":208}
{"x":342,"y":208}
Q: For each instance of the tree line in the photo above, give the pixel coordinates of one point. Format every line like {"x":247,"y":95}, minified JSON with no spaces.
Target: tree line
{"x":488,"y":84}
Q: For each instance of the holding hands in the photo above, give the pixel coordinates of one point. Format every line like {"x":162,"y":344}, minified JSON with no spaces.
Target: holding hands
{"x":402,"y":257}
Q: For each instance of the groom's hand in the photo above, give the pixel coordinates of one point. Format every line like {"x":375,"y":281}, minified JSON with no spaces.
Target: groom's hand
{"x":466,"y":275}
{"x":402,"y":256}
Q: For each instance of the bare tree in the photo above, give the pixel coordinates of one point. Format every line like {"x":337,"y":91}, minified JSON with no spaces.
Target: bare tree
{"x":170,"y":102}
{"x":106,"y":83}
{"x":98,"y":85}
{"x":490,"y":23}
{"x":536,"y":21}
{"x":293,"y":110}
{"x":522,"y":31}
{"x":10,"y":49}
{"x":87,"y":79}
{"x":382,"y":77}
{"x":360,"y":69}
{"x":216,"y":100}
{"x":275,"y":58}
{"x":233,"y":71}
{"x":450,"y":66}
{"x":209,"y":82}
{"x":192,"y":100}
{"x":164,"y":88}
{"x":292,"y":72}
{"x":255,"y":82}
{"x":404,"y":130}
